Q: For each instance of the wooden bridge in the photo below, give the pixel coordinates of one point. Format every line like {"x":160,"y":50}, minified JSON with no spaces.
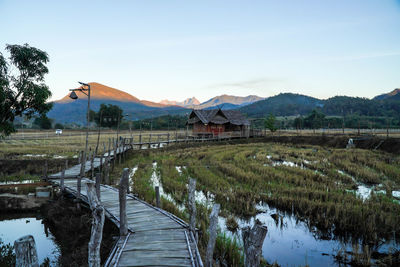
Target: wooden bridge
{"x":155,"y":237}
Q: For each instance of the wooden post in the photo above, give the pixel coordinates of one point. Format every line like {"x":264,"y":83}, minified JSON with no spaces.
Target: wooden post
{"x":253,"y":239}
{"x":79,"y":180}
{"x":168,"y":138}
{"x":102,"y":158}
{"x":92,"y":164}
{"x":45,"y":169}
{"x":158,"y":140}
{"x":97,"y":225}
{"x":115,"y":154}
{"x":25,"y":252}
{"x":80,"y":157}
{"x":62,"y":181}
{"x":212,"y":230}
{"x":98,"y":182}
{"x":192,"y":205}
{"x":107,"y":172}
{"x":121,"y":150}
{"x":123,"y":184}
{"x":140,"y":140}
{"x":66,"y":164}
{"x":176,"y":136}
{"x":157,"y":188}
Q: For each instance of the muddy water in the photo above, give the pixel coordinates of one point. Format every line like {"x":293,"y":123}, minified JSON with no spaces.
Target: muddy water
{"x":15,"y":226}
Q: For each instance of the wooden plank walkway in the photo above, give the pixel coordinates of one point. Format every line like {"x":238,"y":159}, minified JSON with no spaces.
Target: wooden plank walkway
{"x":74,"y":171}
{"x":155,"y":238}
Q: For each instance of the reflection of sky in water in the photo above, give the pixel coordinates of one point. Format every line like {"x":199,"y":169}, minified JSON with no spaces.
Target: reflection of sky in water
{"x":10,"y":230}
{"x":290,"y":245}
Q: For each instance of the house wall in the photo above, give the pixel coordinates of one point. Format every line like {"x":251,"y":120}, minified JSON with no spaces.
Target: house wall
{"x":215,"y":129}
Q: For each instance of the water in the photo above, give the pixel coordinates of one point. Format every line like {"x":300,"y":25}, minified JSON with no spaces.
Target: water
{"x":156,"y":181}
{"x":290,"y":242}
{"x":13,"y":227}
{"x":19,"y":182}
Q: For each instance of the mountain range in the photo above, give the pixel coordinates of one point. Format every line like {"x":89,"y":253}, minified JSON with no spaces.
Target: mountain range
{"x":222,"y":101}
{"x":393,"y":95}
{"x":67,"y":110}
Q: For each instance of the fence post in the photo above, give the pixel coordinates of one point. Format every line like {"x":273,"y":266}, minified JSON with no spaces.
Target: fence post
{"x":115,"y":154}
{"x":168,"y":138}
{"x":192,"y":205}
{"x":97,"y":225}
{"x":79,"y":180}
{"x":212,"y":234}
{"x":62,"y":181}
{"x":123,"y":184}
{"x":157,"y":188}
{"x":253,"y":239}
{"x":25,"y":252}
{"x":98,"y":182}
{"x":45,"y":169}
{"x":92,"y":164}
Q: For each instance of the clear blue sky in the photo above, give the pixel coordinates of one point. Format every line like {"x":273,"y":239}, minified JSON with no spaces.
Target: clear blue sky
{"x":177,"y":49}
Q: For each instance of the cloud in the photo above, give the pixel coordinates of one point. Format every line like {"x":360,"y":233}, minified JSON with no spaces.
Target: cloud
{"x":259,"y":82}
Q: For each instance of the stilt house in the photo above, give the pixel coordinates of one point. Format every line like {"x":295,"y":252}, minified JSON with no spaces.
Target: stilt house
{"x":218,"y":122}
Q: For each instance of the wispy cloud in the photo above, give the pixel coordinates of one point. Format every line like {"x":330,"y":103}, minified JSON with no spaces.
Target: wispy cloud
{"x":259,"y":82}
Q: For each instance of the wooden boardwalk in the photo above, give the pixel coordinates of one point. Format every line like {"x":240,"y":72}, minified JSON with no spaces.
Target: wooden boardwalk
{"x":155,"y":238}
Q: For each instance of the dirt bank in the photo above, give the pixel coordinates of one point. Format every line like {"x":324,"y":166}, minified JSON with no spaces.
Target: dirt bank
{"x":391,"y":145}
{"x":32,"y":166}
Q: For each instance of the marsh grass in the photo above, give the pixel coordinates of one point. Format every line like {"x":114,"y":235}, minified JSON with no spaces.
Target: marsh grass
{"x":314,"y":188}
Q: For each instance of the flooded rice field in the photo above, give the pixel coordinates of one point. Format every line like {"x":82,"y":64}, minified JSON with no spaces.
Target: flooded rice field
{"x":322,"y":207}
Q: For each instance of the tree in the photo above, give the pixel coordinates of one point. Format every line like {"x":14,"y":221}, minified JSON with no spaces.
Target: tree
{"x":269,"y":123}
{"x":314,"y":120}
{"x":22,"y":87}
{"x":58,"y":126}
{"x":43,"y":122}
{"x":110,"y":115}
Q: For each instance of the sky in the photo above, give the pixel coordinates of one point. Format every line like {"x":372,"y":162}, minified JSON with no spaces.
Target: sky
{"x":172,"y":50}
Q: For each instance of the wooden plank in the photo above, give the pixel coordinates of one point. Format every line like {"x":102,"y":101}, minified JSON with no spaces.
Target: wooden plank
{"x":126,"y":261}
{"x":161,"y":246}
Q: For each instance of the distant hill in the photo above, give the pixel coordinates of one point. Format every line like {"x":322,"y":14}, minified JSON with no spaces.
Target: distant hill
{"x":286,"y":104}
{"x":289,"y":104}
{"x":67,"y":110}
{"x":393,"y":95}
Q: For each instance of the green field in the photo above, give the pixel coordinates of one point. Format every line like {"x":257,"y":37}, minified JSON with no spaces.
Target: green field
{"x":340,"y":194}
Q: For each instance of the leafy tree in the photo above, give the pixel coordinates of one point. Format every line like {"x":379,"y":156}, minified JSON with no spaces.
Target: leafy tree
{"x":43,"y":122}
{"x":314,"y":120}
{"x":59,"y":126}
{"x":22,"y":87}
{"x":110,"y":115}
{"x":269,"y":123}
{"x":298,"y":122}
